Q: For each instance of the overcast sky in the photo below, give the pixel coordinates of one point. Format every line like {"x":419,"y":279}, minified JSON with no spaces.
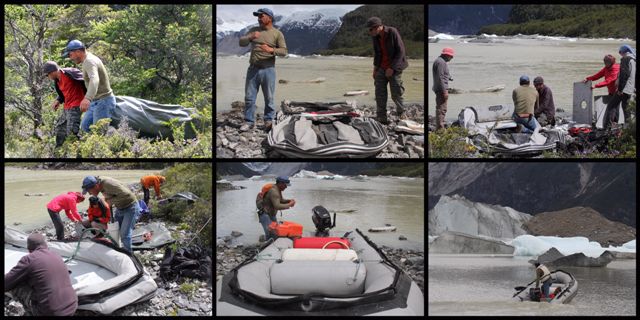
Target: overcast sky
{"x":244,"y":13}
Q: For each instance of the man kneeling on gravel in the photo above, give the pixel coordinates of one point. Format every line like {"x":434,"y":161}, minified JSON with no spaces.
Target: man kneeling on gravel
{"x":41,"y":281}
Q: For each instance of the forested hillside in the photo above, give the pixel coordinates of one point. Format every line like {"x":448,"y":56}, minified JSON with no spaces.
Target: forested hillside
{"x":587,"y":21}
{"x":353,"y":38}
{"x":161,"y":53}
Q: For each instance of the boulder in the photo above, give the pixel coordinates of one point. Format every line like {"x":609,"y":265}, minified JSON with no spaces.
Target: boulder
{"x":555,"y":259}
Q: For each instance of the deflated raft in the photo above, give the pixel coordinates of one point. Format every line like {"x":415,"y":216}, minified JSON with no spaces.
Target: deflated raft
{"x":560,"y":279}
{"x":283,"y":280}
{"x":105,"y":278}
{"x":298,"y":136}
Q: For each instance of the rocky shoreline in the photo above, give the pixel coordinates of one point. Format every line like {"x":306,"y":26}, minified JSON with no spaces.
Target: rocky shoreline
{"x":232,"y":142}
{"x":190,"y":297}
{"x":230,"y":254}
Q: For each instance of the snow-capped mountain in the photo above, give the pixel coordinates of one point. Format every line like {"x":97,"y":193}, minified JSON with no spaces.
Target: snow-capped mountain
{"x":305,"y":32}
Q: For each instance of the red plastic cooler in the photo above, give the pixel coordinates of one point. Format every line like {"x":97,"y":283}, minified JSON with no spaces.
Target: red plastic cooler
{"x":319,"y":242}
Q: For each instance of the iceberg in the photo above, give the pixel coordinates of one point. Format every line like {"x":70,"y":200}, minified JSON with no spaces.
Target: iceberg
{"x":528,"y":245}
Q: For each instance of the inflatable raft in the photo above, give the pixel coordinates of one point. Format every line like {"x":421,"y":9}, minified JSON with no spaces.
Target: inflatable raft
{"x":105,"y":278}
{"x":564,"y":285}
{"x":294,"y":136}
{"x":353,"y":279}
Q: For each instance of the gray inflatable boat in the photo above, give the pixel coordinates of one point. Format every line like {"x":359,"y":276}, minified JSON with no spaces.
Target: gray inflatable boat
{"x":282,"y":280}
{"x":563,"y":284}
{"x":105,"y":278}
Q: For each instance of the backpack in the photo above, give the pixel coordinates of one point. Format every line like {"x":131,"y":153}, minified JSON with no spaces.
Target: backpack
{"x":260,"y":196}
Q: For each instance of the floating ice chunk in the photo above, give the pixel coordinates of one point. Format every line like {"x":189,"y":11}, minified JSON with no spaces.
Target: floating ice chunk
{"x":528,"y":245}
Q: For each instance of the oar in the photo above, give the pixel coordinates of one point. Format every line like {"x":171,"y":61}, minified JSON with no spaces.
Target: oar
{"x":520,"y":289}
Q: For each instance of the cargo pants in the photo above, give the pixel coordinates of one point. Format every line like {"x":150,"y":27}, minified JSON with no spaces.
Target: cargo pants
{"x":397,"y":90}
{"x":68,"y":123}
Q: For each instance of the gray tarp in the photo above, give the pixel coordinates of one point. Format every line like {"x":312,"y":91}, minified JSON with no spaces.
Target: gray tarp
{"x":147,"y":117}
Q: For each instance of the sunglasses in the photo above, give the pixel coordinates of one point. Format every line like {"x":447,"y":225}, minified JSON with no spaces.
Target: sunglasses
{"x":373,"y":28}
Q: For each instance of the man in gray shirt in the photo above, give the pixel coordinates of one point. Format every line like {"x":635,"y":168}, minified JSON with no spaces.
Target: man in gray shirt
{"x":626,"y":86}
{"x":99,"y":101}
{"x":441,"y":78}
{"x":267,"y":43}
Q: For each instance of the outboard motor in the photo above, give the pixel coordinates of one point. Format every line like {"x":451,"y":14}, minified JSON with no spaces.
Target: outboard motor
{"x":322,"y":219}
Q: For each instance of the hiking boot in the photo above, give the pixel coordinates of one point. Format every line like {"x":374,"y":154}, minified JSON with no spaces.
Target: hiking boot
{"x":247,"y":126}
{"x":267,"y":126}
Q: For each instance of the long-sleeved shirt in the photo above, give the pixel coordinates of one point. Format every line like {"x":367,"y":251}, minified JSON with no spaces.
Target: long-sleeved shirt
{"x":148,"y":181}
{"x":545,"y":104}
{"x":393,"y":50}
{"x":273,"y":201}
{"x":271,"y":37}
{"x":96,"y":78}
{"x":44,"y":271}
{"x":627,"y":76}
{"x":66,"y":202}
{"x":116,"y":194}
{"x":525,"y":99}
{"x":441,"y":75}
{"x":610,"y":75}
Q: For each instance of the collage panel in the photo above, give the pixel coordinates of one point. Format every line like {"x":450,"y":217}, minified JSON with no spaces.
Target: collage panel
{"x":547,"y":238}
{"x":108,"y":81}
{"x":108,"y":238}
{"x":320,"y":81}
{"x":532,"y":81}
{"x":322,"y":239}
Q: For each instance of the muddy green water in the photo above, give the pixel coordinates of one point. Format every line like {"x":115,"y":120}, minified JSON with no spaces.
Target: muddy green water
{"x":342,"y":74}
{"x":396,"y":201}
{"x":480,"y":65}
{"x":32,"y":211}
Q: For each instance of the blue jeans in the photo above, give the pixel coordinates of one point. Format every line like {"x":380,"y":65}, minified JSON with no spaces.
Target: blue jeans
{"x":127,"y":218}
{"x":98,"y":109}
{"x":545,"y":287}
{"x":256,"y":78}
{"x":529,"y":124}
{"x":265,"y":221}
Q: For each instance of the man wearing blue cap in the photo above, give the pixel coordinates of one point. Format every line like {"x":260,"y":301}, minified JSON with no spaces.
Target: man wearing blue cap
{"x":99,"y":101}
{"x":525,"y":100}
{"x":267,"y":43}
{"x":117,"y":195}
{"x":271,"y":202}
{"x":626,"y":87}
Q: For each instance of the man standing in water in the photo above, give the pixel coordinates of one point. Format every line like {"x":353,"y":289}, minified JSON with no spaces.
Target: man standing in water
{"x":388,"y":62}
{"x":441,"y":78}
{"x":268,"y":42}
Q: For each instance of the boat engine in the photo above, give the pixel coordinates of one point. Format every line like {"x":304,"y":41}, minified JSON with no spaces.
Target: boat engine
{"x":322,"y":219}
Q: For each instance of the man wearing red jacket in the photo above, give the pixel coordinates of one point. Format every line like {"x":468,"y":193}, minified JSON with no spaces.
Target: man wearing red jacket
{"x":610,"y":74}
{"x":69,"y":85}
